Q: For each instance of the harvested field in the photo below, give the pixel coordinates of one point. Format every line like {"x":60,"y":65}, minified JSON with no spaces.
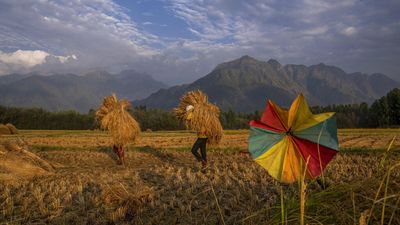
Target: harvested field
{"x":348,"y":139}
{"x":162,"y":184}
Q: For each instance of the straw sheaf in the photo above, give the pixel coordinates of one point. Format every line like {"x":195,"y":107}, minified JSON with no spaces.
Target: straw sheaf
{"x":18,"y":164}
{"x":109,"y":103}
{"x":12,"y":128}
{"x":205,"y":116}
{"x":4,"y":129}
{"x":115,"y":118}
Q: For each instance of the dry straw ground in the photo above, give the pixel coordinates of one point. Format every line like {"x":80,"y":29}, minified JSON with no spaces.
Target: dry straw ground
{"x":161,"y":183}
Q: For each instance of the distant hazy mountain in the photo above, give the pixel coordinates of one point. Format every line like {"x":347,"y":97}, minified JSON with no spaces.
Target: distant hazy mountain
{"x":245,"y":84}
{"x":70,"y":91}
{"x":8,"y":79}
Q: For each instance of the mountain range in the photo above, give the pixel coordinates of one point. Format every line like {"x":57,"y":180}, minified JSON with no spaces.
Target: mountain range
{"x":69,"y":91}
{"x":246,"y":83}
{"x":242,"y":85}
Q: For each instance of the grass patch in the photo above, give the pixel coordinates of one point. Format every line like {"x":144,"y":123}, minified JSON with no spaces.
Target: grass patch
{"x":48,"y":148}
{"x":366,"y":151}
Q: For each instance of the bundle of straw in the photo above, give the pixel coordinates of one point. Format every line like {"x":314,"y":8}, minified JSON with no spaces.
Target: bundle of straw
{"x":205,"y":116}
{"x":109,"y":104}
{"x":12,"y":128}
{"x":115,"y":118}
{"x":4,"y":129}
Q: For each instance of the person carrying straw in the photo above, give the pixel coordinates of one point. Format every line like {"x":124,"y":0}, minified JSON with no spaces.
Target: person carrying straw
{"x":202,"y":117}
{"x":114,"y":117}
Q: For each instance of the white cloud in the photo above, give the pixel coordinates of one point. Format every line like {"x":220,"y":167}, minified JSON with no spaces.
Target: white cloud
{"x":205,"y":19}
{"x":349,"y":31}
{"x":64,"y":59}
{"x":23,"y":60}
{"x":100,"y":33}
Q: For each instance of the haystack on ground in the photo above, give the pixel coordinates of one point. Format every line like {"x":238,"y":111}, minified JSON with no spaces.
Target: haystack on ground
{"x":205,"y":116}
{"x":18,"y":164}
{"x":12,"y":128}
{"x":4,"y":129}
{"x":115,"y":118}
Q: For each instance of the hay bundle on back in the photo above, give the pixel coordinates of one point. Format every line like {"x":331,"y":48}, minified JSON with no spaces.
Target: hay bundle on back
{"x":4,"y":129}
{"x":205,"y":116}
{"x":115,"y":118}
{"x":12,"y":128}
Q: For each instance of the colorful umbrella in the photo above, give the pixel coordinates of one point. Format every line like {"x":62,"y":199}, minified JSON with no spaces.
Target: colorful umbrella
{"x":287,"y":142}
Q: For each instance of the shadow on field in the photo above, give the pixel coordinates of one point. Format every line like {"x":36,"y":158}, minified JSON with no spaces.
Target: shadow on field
{"x":108,"y":151}
{"x":162,"y":155}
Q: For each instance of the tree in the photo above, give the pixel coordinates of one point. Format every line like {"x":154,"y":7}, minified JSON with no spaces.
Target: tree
{"x":393,"y":102}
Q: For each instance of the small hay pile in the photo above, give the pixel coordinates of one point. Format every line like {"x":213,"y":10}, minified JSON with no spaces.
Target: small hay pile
{"x":8,"y":129}
{"x":130,"y":203}
{"x":12,"y":128}
{"x":18,"y":164}
{"x":4,"y":129}
{"x":114,"y":117}
{"x":205,"y":116}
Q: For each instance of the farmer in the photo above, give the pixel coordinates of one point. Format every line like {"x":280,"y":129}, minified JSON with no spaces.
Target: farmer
{"x":114,"y":117}
{"x":201,"y":142}
{"x":202,"y":117}
{"x":119,"y":150}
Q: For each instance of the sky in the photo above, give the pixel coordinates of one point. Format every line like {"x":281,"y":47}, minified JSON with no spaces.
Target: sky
{"x":178,"y":41}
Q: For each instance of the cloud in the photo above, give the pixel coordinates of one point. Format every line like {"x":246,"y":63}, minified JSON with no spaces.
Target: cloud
{"x":24,"y":58}
{"x":22,"y":61}
{"x":204,"y":18}
{"x":356,"y":35}
{"x":99,"y":33}
{"x":306,"y":32}
{"x":349,"y":31}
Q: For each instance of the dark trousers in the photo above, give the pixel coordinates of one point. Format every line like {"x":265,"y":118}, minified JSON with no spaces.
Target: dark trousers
{"x":200,"y":144}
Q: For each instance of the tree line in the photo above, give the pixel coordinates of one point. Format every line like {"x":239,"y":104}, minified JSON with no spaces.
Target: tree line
{"x":384,"y":112}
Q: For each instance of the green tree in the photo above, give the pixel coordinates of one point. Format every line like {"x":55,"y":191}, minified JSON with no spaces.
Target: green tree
{"x":393,"y":101}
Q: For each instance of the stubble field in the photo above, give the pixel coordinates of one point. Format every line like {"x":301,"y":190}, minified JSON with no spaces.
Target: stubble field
{"x":162,"y":183}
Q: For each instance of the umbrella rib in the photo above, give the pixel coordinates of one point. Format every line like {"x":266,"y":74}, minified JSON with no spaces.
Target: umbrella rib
{"x":284,"y":160}
{"x":279,"y":117}
{"x":291,"y":165}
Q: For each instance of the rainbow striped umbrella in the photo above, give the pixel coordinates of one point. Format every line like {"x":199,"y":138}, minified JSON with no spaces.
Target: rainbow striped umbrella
{"x":285,"y":142}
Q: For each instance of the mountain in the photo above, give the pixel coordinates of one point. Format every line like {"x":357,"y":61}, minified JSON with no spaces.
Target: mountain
{"x":8,"y":79}
{"x":70,"y":91}
{"x":245,"y":84}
